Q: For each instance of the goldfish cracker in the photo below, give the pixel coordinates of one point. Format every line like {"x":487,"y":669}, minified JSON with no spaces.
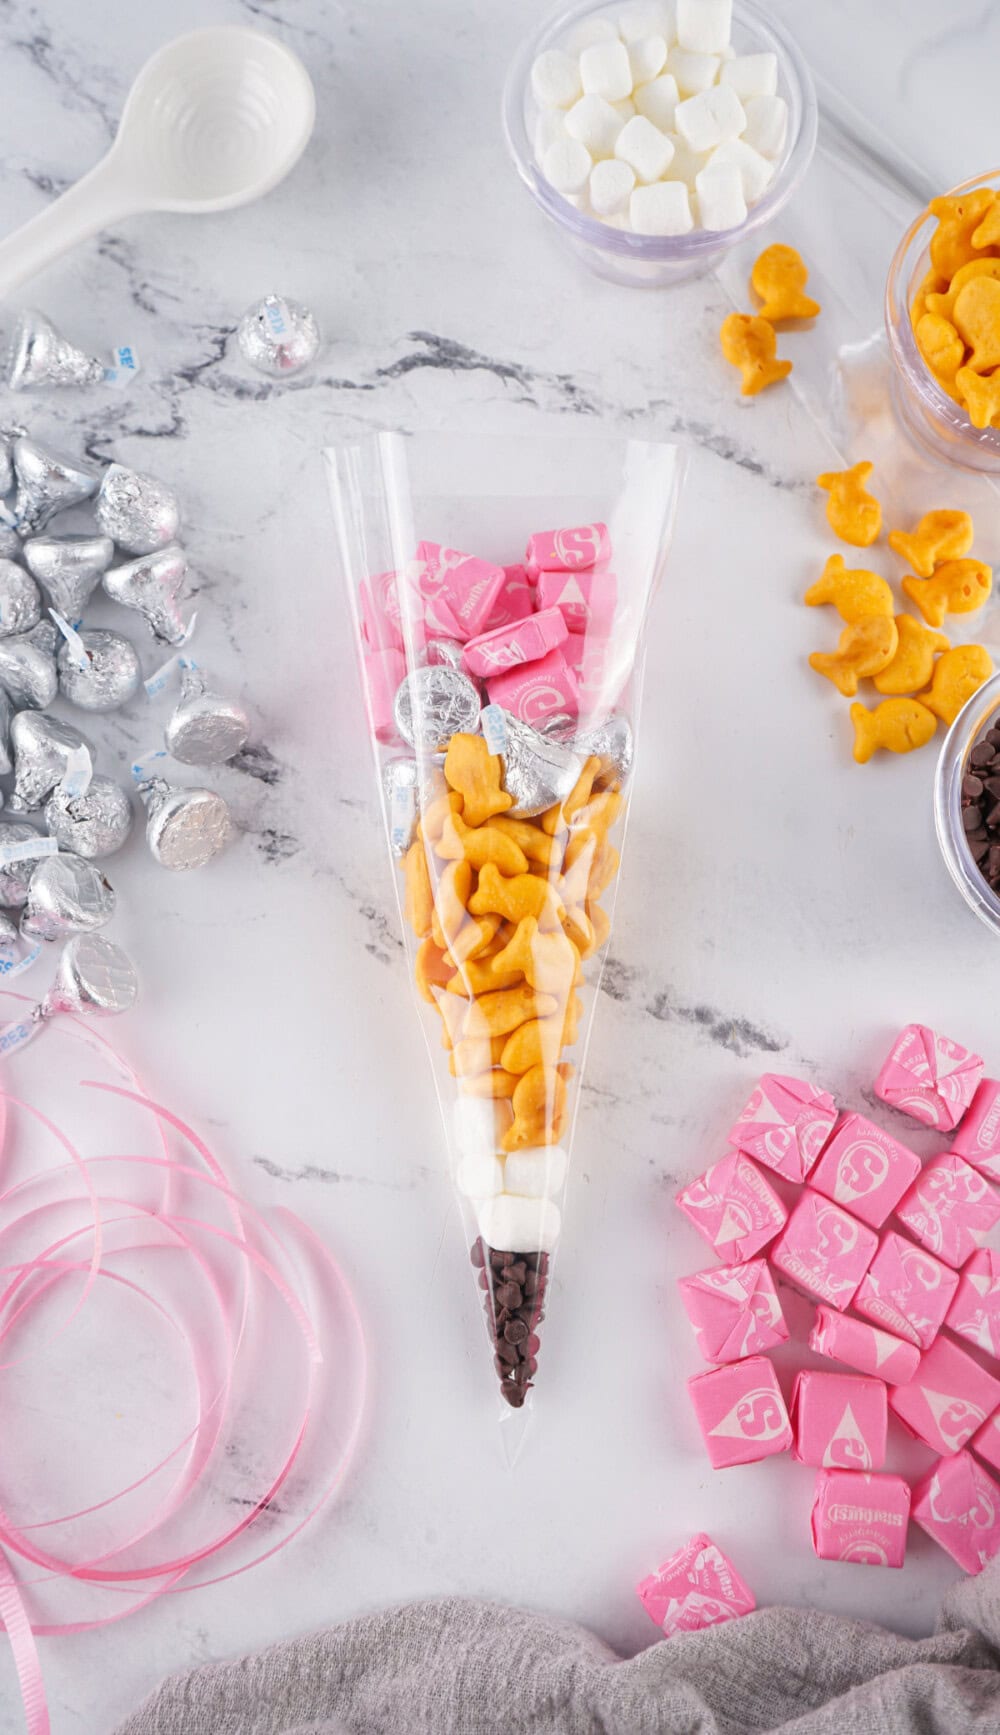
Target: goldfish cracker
{"x":854,"y":591}
{"x":940,"y":346}
{"x":480,"y":845}
{"x":601,"y":924}
{"x":499,"y":1013}
{"x":865,"y":649}
{"x":898,"y":725}
{"x":957,"y":675}
{"x":943,"y":300}
{"x":913,"y":663}
{"x":477,"y":976}
{"x":578,"y":927}
{"x":580,"y":857}
{"x":601,"y":812}
{"x":942,"y":535}
{"x":959,"y":219}
{"x":606,"y":864}
{"x":548,"y":960}
{"x":472,"y":1054}
{"x":537,"y":1043}
{"x":443,"y":807}
{"x":455,"y":1017}
{"x":553,"y":821}
{"x":853,"y":514}
{"x":536,"y":844}
{"x":476,"y":774}
{"x":932,"y":283}
{"x":977,"y":319}
{"x":523,"y":895}
{"x":749,"y":343}
{"x":539,"y":1108}
{"x":988,"y":233}
{"x":571,"y":1023}
{"x":496,"y":1084}
{"x":418,"y":902}
{"x":580,"y":794}
{"x":431,"y":969}
{"x":980,"y":393}
{"x":474,"y":939}
{"x":957,"y":587}
{"x":779,"y":277}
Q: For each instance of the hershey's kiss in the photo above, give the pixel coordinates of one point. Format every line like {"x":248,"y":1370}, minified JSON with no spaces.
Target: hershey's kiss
{"x":66,"y":895}
{"x":433,"y":704}
{"x":537,"y":770}
{"x":612,"y":742}
{"x":278,"y":336}
{"x":15,"y":876}
{"x":185,"y":828}
{"x":152,"y":585}
{"x":45,"y":749}
{"x":136,"y":511}
{"x":39,"y":356}
{"x":20,"y":603}
{"x":108,"y":678}
{"x":10,"y":543}
{"x":205,"y":729}
{"x":28,"y":671}
{"x":7,"y":437}
{"x":9,"y":935}
{"x":95,"y":824}
{"x":46,"y":484}
{"x":93,"y":975}
{"x":444,"y":654}
{"x":69,"y":567}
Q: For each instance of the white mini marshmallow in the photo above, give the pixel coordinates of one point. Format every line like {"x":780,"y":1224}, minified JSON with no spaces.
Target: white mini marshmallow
{"x":686,"y":164}
{"x":704,"y":26}
{"x":648,"y":18}
{"x":538,"y":1172}
{"x":755,"y":171}
{"x":658,"y":101}
{"x":647,"y":58}
{"x":595,"y":124}
{"x":693,"y":72}
{"x":605,"y":71}
{"x":566,"y":165}
{"x":474,"y":1127}
{"x":590,"y":31}
{"x":721,"y":204}
{"x":751,"y":74}
{"x":479,"y":1177}
{"x":767,"y":124}
{"x":549,"y":129}
{"x":626,"y":108}
{"x":703,"y":121}
{"x":518,"y":1225}
{"x":644,"y":148}
{"x":662,"y":209}
{"x":611,"y":184}
{"x":555,"y":79}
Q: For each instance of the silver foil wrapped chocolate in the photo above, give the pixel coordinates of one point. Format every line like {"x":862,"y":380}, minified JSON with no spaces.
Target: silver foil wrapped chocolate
{"x":45,"y":750}
{"x":66,"y":895}
{"x":205,"y":728}
{"x":278,"y":336}
{"x":38,"y":356}
{"x":46,"y":484}
{"x":613,"y":742}
{"x":69,"y":568}
{"x":10,"y":543}
{"x":537,"y":770}
{"x":138,"y":513}
{"x":28,"y":671}
{"x":108,"y":677}
{"x":152,"y":586}
{"x":185,"y":828}
{"x":8,"y":435}
{"x":6,"y":717}
{"x":94,"y":976}
{"x":444,"y":654}
{"x":20,"y":603}
{"x":93,"y":825}
{"x":433,"y":704}
{"x":15,"y":876}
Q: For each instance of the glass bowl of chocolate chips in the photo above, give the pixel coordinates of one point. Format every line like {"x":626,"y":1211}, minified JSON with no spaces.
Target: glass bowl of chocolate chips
{"x":967,"y":803}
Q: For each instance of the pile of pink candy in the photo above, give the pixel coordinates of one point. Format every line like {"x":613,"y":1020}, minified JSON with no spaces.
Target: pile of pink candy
{"x":535,"y":633}
{"x":833,"y":1244}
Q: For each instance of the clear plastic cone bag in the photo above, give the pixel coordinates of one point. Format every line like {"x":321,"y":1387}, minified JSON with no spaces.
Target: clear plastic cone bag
{"x":501,"y":590}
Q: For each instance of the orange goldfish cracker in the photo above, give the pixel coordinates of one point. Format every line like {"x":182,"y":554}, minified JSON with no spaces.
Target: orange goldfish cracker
{"x":601,"y":923}
{"x":959,"y":218}
{"x":779,"y":277}
{"x":898,"y":725}
{"x":854,"y":515}
{"x":957,"y":675}
{"x":576,"y":878}
{"x":943,"y":535}
{"x":539,"y":1105}
{"x":943,"y":301}
{"x":932,"y":283}
{"x":431,"y":968}
{"x":451,"y":895}
{"x":980,"y":393}
{"x":473,"y":940}
{"x":548,"y":960}
{"x":940,"y":345}
{"x":580,"y":794}
{"x":571,"y":1023}
{"x":472,"y":1054}
{"x":480,"y":845}
{"x":497,"y":1014}
{"x":988,"y":233}
{"x":854,"y":591}
{"x":977,"y":318}
{"x":455,"y":1017}
{"x":477,"y":976}
{"x":957,"y":587}
{"x":537,"y":1043}
{"x":913,"y":663}
{"x":579,"y":928}
{"x":495,"y":1084}
{"x":529,"y":837}
{"x":553,"y":821}
{"x":476,"y":774}
{"x":606,"y":864}
{"x":437,"y":811}
{"x":601,"y":812}
{"x":865,"y":649}
{"x":418,"y":903}
{"x":749,"y":343}
{"x":523,"y":895}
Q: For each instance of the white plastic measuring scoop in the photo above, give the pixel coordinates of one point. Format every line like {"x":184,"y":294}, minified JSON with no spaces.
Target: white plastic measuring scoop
{"x":214,"y":119}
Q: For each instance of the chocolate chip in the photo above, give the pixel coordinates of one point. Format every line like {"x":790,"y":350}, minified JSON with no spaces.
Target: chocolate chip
{"x":477,"y":1253}
{"x":972,"y":818}
{"x":532,"y":1344}
{"x":483,"y":1280}
{"x":516,"y":1331}
{"x":993,"y":864}
{"x":506,"y":1351}
{"x":514,"y":1394}
{"x":979,"y":847}
{"x":983,"y":754}
{"x":515,"y":1273}
{"x":499,"y":1260}
{"x":508,"y":1295}
{"x":972,"y":786}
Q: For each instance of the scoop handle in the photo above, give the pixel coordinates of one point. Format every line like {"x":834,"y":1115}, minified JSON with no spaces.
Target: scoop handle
{"x":95,"y":202}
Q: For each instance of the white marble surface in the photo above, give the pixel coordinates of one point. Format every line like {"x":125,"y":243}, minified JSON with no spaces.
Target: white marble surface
{"x":779,"y":905}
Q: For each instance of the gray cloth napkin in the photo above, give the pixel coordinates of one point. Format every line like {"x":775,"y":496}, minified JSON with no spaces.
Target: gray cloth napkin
{"x":470,"y":1668}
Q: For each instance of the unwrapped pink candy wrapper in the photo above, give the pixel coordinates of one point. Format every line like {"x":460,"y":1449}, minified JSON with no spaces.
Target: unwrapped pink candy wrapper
{"x":697,"y":1587}
{"x":865,"y":1169}
{"x":741,"y":1412}
{"x":950,"y":1209}
{"x":860,"y":1516}
{"x":929,"y":1077}
{"x":863,"y":1346}
{"x":734,"y":1309}
{"x":839,"y":1420}
{"x":824,"y":1250}
{"x":948,"y":1399}
{"x":959,"y":1505}
{"x":975,"y":1312}
{"x":978,"y":1137}
{"x":906,"y":1290}
{"x":785,"y":1125}
{"x":732,"y":1205}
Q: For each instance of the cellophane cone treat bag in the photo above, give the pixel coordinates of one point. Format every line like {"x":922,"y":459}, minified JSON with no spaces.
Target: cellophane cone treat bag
{"x":500,"y":590}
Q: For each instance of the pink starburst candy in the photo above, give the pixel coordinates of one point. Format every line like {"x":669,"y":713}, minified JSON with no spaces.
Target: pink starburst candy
{"x":733,"y":1207}
{"x":978,"y":1136}
{"x":586,"y":600}
{"x":959,"y":1505}
{"x":785,"y":1125}
{"x":864,"y":1346}
{"x":975,"y":1312}
{"x":571,"y":550}
{"x":929,"y":1077}
{"x":734,"y":1309}
{"x":515,"y":601}
{"x":839,"y":1420}
{"x":464,"y":588}
{"x":384,"y":671}
{"x":697,"y":1587}
{"x":824,"y":1250}
{"x":524,"y":641}
{"x":741,"y":1412}
{"x":534,"y":691}
{"x":864,"y":1169}
{"x":860,"y":1516}
{"x":906,"y":1290}
{"x":950,"y":1208}
{"x":987,"y":1441}
{"x":948,"y":1399}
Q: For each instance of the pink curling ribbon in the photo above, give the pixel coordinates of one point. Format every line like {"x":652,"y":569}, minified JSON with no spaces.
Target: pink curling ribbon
{"x":252,"y":1303}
